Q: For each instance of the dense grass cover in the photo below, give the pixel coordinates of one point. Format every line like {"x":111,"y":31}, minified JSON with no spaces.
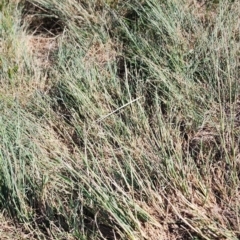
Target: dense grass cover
{"x":119,"y":119}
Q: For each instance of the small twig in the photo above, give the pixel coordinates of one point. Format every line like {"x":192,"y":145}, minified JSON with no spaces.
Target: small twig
{"x":118,"y":109}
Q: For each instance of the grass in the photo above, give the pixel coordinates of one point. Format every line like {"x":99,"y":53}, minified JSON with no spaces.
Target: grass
{"x":119,"y":119}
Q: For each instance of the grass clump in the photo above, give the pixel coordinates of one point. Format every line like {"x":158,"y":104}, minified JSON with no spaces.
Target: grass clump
{"x":119,"y":119}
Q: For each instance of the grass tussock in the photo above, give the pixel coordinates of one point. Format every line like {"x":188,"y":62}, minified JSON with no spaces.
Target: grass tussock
{"x":119,"y":119}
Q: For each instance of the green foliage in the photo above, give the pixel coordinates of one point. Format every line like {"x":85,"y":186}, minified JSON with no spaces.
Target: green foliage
{"x":119,"y":119}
